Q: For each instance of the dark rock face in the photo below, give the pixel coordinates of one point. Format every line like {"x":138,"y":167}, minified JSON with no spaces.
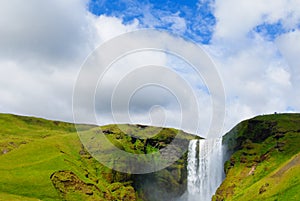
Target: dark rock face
{"x":254,"y":130}
{"x":257,"y":131}
{"x":164,"y":185}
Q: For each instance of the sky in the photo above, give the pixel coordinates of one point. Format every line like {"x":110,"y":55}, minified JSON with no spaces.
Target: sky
{"x":253,"y":44}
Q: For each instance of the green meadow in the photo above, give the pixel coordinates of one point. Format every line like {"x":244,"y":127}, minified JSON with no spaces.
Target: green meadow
{"x":45,"y":160}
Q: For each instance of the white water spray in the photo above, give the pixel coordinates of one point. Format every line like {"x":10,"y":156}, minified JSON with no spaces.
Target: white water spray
{"x":205,"y":168}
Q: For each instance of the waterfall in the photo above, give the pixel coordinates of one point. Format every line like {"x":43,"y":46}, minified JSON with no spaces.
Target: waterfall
{"x":205,"y":168}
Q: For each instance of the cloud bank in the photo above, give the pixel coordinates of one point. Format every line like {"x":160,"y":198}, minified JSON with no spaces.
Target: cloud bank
{"x":43,"y":45}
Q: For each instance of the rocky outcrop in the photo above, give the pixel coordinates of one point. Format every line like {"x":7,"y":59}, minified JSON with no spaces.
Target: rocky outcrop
{"x":107,"y":184}
{"x":71,"y":187}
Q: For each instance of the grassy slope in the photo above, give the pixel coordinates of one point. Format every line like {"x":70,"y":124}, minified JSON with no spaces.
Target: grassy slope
{"x":265,"y":164}
{"x":32,"y":149}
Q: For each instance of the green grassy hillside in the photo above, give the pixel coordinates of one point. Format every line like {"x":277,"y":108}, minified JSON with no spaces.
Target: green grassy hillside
{"x":265,"y":160}
{"x":45,"y":160}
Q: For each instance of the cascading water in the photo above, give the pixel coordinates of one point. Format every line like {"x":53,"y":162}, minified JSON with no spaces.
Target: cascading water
{"x":205,"y":168}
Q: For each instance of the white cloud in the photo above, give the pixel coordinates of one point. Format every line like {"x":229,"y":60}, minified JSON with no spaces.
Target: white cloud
{"x":173,"y":93}
{"x":51,"y":31}
{"x":235,"y":19}
{"x":257,"y":78}
{"x":161,"y":18}
{"x":110,"y":27}
{"x":289,"y":48}
{"x":34,"y":92}
{"x":279,"y":76}
{"x":40,"y":69}
{"x":43,"y":44}
{"x":178,"y":24}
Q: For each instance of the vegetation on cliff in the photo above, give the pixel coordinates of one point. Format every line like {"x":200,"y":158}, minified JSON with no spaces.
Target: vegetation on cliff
{"x":265,"y":159}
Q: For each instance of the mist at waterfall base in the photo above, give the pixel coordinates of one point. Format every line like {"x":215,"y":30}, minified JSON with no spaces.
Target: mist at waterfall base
{"x":205,"y":169}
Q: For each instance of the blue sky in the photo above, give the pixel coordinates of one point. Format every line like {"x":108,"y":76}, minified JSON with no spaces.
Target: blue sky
{"x":205,"y":22}
{"x":254,"y":45}
{"x":197,"y":14}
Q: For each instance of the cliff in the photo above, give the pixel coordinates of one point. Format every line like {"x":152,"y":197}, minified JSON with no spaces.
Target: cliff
{"x":264,"y":159}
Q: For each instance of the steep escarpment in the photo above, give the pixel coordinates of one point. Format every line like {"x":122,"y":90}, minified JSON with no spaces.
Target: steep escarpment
{"x":45,"y":160}
{"x":264,"y":161}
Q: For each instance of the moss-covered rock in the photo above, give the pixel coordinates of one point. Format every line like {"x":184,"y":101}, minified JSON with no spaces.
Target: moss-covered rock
{"x":71,"y":187}
{"x":168,"y":183}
